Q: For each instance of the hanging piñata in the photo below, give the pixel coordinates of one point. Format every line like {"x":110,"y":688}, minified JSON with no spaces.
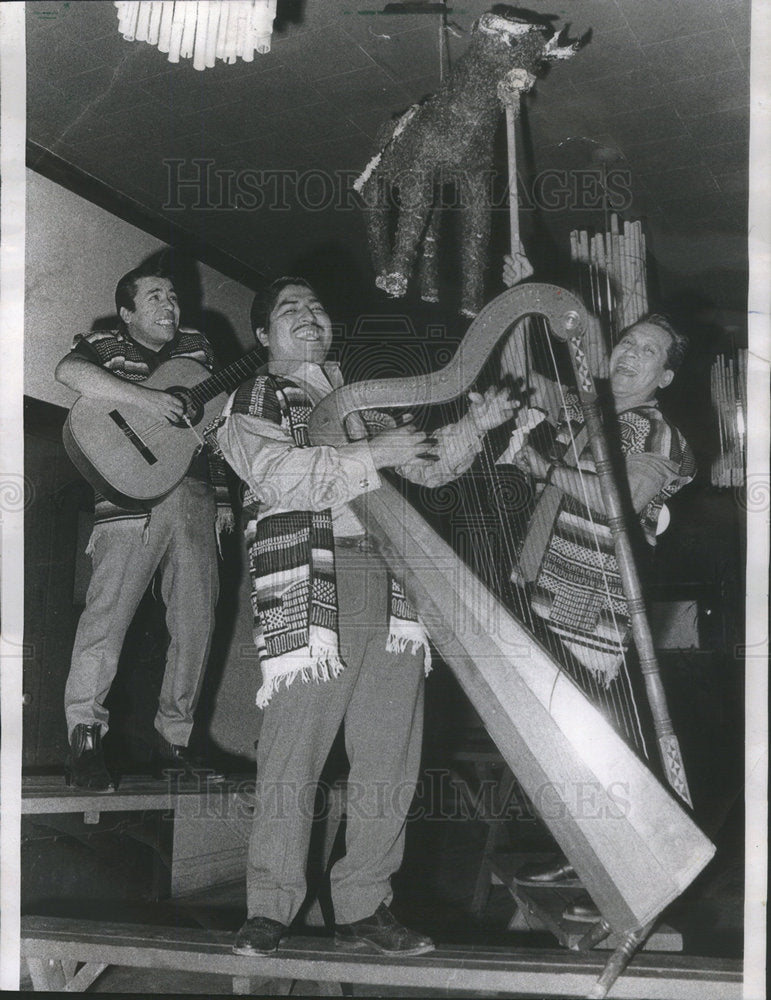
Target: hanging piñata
{"x":449,"y":138}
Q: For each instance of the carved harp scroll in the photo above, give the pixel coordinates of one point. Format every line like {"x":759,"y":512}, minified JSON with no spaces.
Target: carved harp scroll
{"x":630,"y":841}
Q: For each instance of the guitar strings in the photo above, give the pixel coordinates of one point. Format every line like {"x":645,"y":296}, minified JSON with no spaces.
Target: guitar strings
{"x":205,"y":390}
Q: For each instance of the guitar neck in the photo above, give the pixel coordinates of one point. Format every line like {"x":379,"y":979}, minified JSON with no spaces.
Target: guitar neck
{"x":228,"y":378}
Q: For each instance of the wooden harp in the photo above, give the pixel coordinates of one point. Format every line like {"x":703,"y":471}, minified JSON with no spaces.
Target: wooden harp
{"x":632,"y":844}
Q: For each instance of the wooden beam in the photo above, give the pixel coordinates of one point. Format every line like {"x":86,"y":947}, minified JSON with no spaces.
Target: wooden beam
{"x":86,"y":976}
{"x":524,"y":972}
{"x":50,"y":795}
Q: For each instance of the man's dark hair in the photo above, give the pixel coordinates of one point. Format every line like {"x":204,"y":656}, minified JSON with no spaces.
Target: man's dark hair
{"x":126,"y":289}
{"x":265,"y":300}
{"x":678,"y":346}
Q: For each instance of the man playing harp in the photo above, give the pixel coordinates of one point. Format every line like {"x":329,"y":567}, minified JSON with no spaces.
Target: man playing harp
{"x":567,"y":562}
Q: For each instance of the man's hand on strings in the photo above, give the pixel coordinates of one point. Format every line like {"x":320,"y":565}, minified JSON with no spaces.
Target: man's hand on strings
{"x":529,"y":460}
{"x":491,"y":409}
{"x":403,"y":445}
{"x":158,"y":403}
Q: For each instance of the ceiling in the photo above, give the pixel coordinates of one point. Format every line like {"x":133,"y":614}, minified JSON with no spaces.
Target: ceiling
{"x":664,"y":83}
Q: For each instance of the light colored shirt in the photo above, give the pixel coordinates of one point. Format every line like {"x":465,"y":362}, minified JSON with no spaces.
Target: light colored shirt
{"x":288,"y":478}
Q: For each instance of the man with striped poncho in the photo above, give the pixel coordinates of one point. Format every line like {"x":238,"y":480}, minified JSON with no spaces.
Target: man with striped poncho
{"x":176,"y":537}
{"x":337,"y":638}
{"x":566,"y":561}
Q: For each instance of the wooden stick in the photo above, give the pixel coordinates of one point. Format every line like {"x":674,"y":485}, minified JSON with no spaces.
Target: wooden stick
{"x":627,"y":277}
{"x":515,"y":241}
{"x":603,"y":288}
{"x":736,"y":470}
{"x":630,"y":279}
{"x":615,"y":269}
{"x":715,"y":471}
{"x":610,"y":289}
{"x":638,"y":267}
{"x":720,"y":395}
{"x":736,"y":461}
{"x":593,"y":274}
{"x":510,"y":90}
{"x":574,"y":246}
{"x":634,"y":252}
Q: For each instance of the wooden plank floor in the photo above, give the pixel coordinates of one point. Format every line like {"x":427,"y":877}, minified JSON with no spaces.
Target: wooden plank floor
{"x":521,"y":973}
{"x":47,"y":795}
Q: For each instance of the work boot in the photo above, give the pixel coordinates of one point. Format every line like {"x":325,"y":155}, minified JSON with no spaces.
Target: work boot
{"x":382,"y":932}
{"x":259,"y":936}
{"x":179,"y":760}
{"x":85,"y":766}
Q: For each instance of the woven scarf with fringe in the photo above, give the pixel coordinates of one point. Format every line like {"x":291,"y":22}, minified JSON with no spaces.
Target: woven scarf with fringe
{"x":292,"y":568}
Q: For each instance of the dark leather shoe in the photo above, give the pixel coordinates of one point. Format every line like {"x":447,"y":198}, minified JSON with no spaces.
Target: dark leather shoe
{"x":582,"y":910}
{"x":258,"y":936}
{"x":382,"y":932}
{"x":180,"y":760}
{"x":559,"y":872}
{"x":85,"y":766}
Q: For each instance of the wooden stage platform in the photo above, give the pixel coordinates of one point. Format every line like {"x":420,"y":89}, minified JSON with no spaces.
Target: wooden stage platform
{"x":211,"y":820}
{"x":71,"y":954}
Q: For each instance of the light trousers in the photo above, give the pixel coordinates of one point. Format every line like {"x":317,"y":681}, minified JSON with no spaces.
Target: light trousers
{"x":181,"y":542}
{"x":379,"y":696}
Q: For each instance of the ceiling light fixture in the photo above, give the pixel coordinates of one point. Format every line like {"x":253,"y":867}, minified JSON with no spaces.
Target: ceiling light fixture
{"x":205,"y":30}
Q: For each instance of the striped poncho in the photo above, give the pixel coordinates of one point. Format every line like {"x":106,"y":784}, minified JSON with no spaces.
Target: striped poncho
{"x":575,"y":585}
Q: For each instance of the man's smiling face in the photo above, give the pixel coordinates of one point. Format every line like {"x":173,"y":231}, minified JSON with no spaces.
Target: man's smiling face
{"x":638,"y":365}
{"x":299,"y":329}
{"x":154,"y":320}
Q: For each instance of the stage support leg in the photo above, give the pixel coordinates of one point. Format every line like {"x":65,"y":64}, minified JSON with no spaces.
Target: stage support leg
{"x":51,"y":975}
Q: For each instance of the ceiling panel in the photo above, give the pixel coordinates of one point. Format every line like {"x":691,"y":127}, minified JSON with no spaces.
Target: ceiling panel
{"x":689,"y":55}
{"x":720,"y":127}
{"x":700,"y":95}
{"x":661,"y":20}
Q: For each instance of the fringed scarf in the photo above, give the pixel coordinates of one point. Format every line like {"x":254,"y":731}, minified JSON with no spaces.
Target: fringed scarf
{"x":292,"y":566}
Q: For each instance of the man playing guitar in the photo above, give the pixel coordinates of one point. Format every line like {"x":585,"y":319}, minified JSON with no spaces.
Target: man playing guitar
{"x":177,"y":536}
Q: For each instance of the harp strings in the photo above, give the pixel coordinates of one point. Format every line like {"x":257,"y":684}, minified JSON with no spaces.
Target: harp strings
{"x":616,"y":698}
{"x":610,"y":274}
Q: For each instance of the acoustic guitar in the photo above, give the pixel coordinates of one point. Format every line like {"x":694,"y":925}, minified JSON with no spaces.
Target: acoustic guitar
{"x":135,"y":459}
